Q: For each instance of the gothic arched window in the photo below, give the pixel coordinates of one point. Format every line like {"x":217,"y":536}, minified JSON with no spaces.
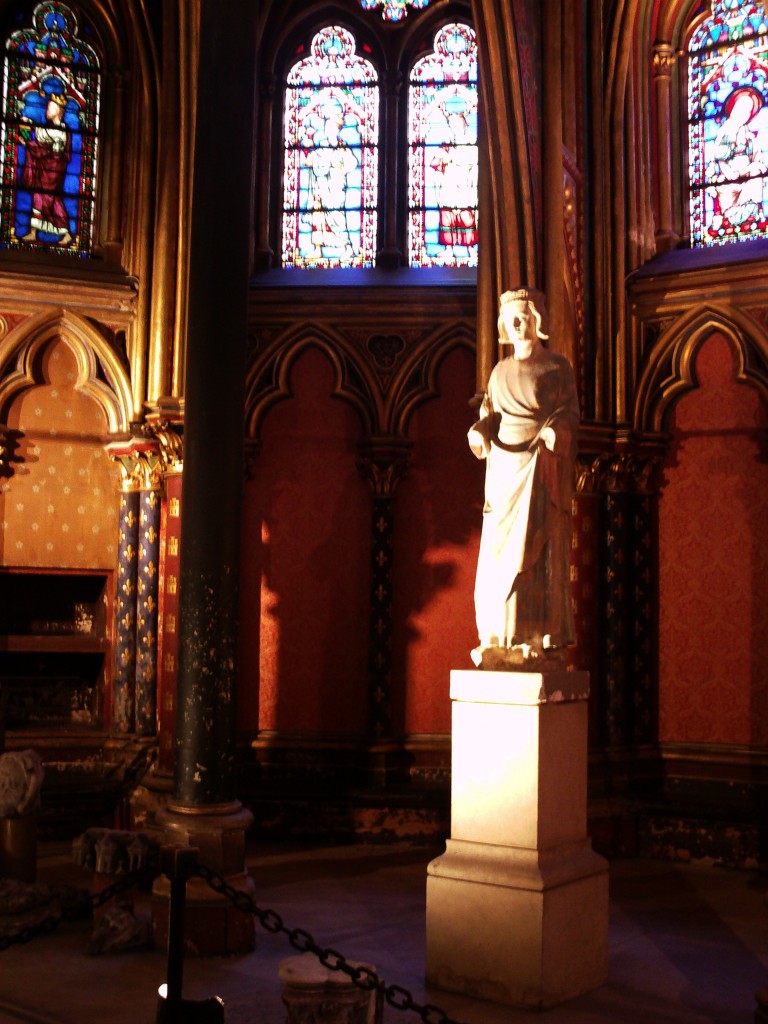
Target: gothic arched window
{"x":331,"y":156}
{"x":50,"y":124}
{"x":442,"y":152}
{"x":728,"y":124}
{"x":375,"y":175}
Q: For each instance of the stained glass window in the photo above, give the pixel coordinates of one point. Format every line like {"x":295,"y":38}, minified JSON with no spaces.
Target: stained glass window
{"x":442,"y":152}
{"x":728,"y":124}
{"x":50,"y":120}
{"x":393,"y":10}
{"x":331,"y":156}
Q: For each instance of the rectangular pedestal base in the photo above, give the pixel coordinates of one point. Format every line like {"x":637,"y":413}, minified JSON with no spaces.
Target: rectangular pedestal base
{"x":517,"y":927}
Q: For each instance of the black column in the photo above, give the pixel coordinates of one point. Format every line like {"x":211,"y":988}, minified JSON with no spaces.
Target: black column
{"x":214,"y":389}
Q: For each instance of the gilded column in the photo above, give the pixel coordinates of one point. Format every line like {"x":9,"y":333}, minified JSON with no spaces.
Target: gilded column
{"x":663,"y":65}
{"x":383,"y":462}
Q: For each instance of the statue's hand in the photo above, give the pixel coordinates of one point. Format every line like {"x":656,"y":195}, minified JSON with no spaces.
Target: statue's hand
{"x":549,"y":437}
{"x":477,"y":443}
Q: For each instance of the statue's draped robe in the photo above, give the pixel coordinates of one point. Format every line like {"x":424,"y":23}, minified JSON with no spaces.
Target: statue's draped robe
{"x":522,"y":590}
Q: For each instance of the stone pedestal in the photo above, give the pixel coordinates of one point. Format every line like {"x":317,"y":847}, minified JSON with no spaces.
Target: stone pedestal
{"x":517,"y":906}
{"x":315,"y":993}
{"x":212,"y":926}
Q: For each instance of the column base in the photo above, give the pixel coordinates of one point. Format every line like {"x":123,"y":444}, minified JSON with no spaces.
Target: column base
{"x":212,"y":926}
{"x":524,"y":928}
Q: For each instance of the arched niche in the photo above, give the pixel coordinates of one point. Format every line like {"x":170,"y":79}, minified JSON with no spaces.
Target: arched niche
{"x":669,"y":370}
{"x":100,"y":372}
{"x":59,"y":501}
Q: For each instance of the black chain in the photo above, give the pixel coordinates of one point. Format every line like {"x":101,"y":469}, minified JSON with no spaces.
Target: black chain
{"x":365,"y":978}
{"x":79,"y":910}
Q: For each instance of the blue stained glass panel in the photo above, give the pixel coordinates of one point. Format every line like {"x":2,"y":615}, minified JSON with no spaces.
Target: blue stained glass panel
{"x":48,"y":135}
{"x":728,"y":124}
{"x":330,"y":175}
{"x":442,"y":138}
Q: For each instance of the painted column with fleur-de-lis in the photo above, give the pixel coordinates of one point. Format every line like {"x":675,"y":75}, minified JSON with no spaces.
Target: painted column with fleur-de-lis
{"x":134,"y":691}
{"x":123,"y":692}
{"x":146,"y":609}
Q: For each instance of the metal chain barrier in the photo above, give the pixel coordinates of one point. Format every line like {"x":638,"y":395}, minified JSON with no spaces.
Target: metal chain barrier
{"x":82,"y":909}
{"x":396,"y":996}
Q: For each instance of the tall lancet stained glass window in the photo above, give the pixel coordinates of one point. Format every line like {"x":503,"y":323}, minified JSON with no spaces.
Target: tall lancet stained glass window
{"x":442,"y":152}
{"x":728,"y":124}
{"x":50,"y":122}
{"x":331,"y":156}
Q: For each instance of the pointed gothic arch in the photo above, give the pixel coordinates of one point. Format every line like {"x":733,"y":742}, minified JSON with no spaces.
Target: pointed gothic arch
{"x":670,"y":373}
{"x":101,"y":374}
{"x":268,"y":380}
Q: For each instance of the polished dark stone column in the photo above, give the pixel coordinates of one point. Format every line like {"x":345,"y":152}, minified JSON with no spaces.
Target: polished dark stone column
{"x":204,"y":812}
{"x":214,"y":400}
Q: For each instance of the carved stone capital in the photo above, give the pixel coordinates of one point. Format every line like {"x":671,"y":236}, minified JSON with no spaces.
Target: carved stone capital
{"x":625,"y":464}
{"x":664,"y":59}
{"x":170,"y":444}
{"x":384,"y":462}
{"x":140,"y":463}
{"x":621,"y":472}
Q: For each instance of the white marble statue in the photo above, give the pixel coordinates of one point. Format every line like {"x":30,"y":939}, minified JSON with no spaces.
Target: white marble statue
{"x":527,"y":435}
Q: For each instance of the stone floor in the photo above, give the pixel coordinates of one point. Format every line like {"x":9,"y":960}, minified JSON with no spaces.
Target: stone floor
{"x":688,"y":944}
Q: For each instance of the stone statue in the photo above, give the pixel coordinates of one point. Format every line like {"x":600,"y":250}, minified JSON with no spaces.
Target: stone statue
{"x":527,"y":435}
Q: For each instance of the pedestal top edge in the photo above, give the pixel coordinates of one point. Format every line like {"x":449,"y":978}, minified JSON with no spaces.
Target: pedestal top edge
{"x":530,"y":688}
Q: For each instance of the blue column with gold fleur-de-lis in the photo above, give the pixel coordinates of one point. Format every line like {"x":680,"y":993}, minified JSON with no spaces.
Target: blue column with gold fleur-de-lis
{"x":147,"y":580}
{"x":123,"y":691}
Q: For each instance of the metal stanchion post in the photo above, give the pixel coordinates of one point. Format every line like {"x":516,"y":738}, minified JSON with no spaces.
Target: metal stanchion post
{"x":179,"y":863}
